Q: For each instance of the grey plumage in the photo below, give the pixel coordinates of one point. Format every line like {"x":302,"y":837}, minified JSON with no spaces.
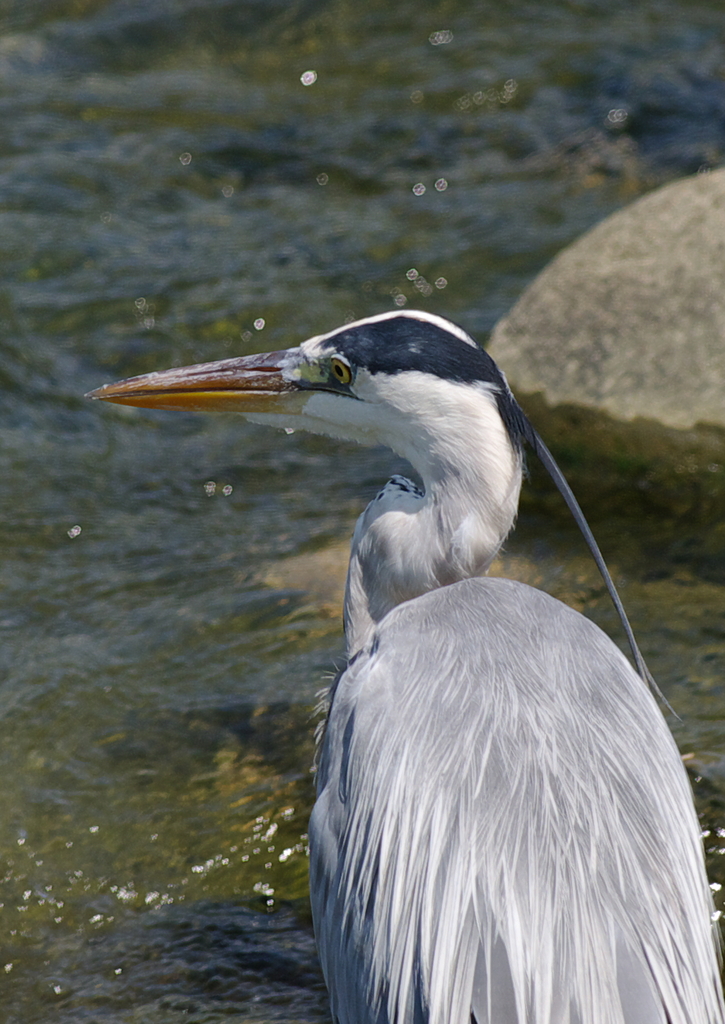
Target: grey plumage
{"x":504,"y":831}
{"x":510,"y":834}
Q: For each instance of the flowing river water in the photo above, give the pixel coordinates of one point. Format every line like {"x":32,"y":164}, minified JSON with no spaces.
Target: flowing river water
{"x":183,"y":180}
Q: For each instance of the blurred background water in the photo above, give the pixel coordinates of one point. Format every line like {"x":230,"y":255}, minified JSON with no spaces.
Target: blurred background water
{"x":183,"y":180}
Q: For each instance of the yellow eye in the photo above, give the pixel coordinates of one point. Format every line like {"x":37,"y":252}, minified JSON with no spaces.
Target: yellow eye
{"x":340,"y":370}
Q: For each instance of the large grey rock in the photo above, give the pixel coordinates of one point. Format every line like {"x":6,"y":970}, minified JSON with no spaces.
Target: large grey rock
{"x":630,"y":318}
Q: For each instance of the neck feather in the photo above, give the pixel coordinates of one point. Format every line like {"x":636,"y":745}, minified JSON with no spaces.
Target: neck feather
{"x":407,"y":541}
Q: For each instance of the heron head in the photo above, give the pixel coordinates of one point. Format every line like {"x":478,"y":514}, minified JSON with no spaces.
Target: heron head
{"x":399,"y":379}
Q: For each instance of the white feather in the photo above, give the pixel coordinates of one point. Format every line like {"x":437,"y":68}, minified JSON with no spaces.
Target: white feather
{"x":396,"y":314}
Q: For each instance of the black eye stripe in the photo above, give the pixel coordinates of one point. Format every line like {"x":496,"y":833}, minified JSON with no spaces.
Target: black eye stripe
{"x":399,"y":344}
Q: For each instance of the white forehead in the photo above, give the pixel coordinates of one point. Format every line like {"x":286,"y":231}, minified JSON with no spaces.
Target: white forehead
{"x":311,"y":344}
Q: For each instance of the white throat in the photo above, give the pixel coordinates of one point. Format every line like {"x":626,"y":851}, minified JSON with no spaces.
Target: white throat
{"x":408,"y":542}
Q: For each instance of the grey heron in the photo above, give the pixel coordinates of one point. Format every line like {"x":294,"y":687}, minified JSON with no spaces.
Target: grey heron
{"x":504,"y":831}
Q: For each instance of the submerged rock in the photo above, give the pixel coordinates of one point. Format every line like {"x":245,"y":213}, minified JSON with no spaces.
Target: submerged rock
{"x":630,"y":318}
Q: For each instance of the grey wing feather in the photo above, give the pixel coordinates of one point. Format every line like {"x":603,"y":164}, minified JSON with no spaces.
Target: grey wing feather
{"x":504,"y":827}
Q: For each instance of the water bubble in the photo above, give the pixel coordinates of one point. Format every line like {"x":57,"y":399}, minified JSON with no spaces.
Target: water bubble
{"x":289,"y":430}
{"x":308,"y":77}
{"x":259,"y":324}
{"x":185,"y":158}
{"x":246,"y":335}
{"x":72,"y":533}
{"x":210,"y":487}
{"x":617,"y":116}
{"x":322,"y":179}
{"x":118,"y":970}
{"x":416,"y":96}
{"x":93,"y":828}
{"x":8,"y":968}
{"x":399,"y":300}
{"x":57,"y":989}
{"x":412,"y":274}
{"x":149,"y":322}
{"x":440,"y":282}
{"x":227,"y":191}
{"x":441,"y":185}
{"x":227,"y":490}
{"x":419,"y":189}
{"x":439,"y":38}
{"x":140,"y":303}
{"x":510,"y":88}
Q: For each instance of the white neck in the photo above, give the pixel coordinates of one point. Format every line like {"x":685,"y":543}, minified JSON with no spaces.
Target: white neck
{"x":407,"y":543}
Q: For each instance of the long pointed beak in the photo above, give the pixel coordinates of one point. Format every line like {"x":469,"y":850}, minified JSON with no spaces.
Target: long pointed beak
{"x":245,"y":384}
